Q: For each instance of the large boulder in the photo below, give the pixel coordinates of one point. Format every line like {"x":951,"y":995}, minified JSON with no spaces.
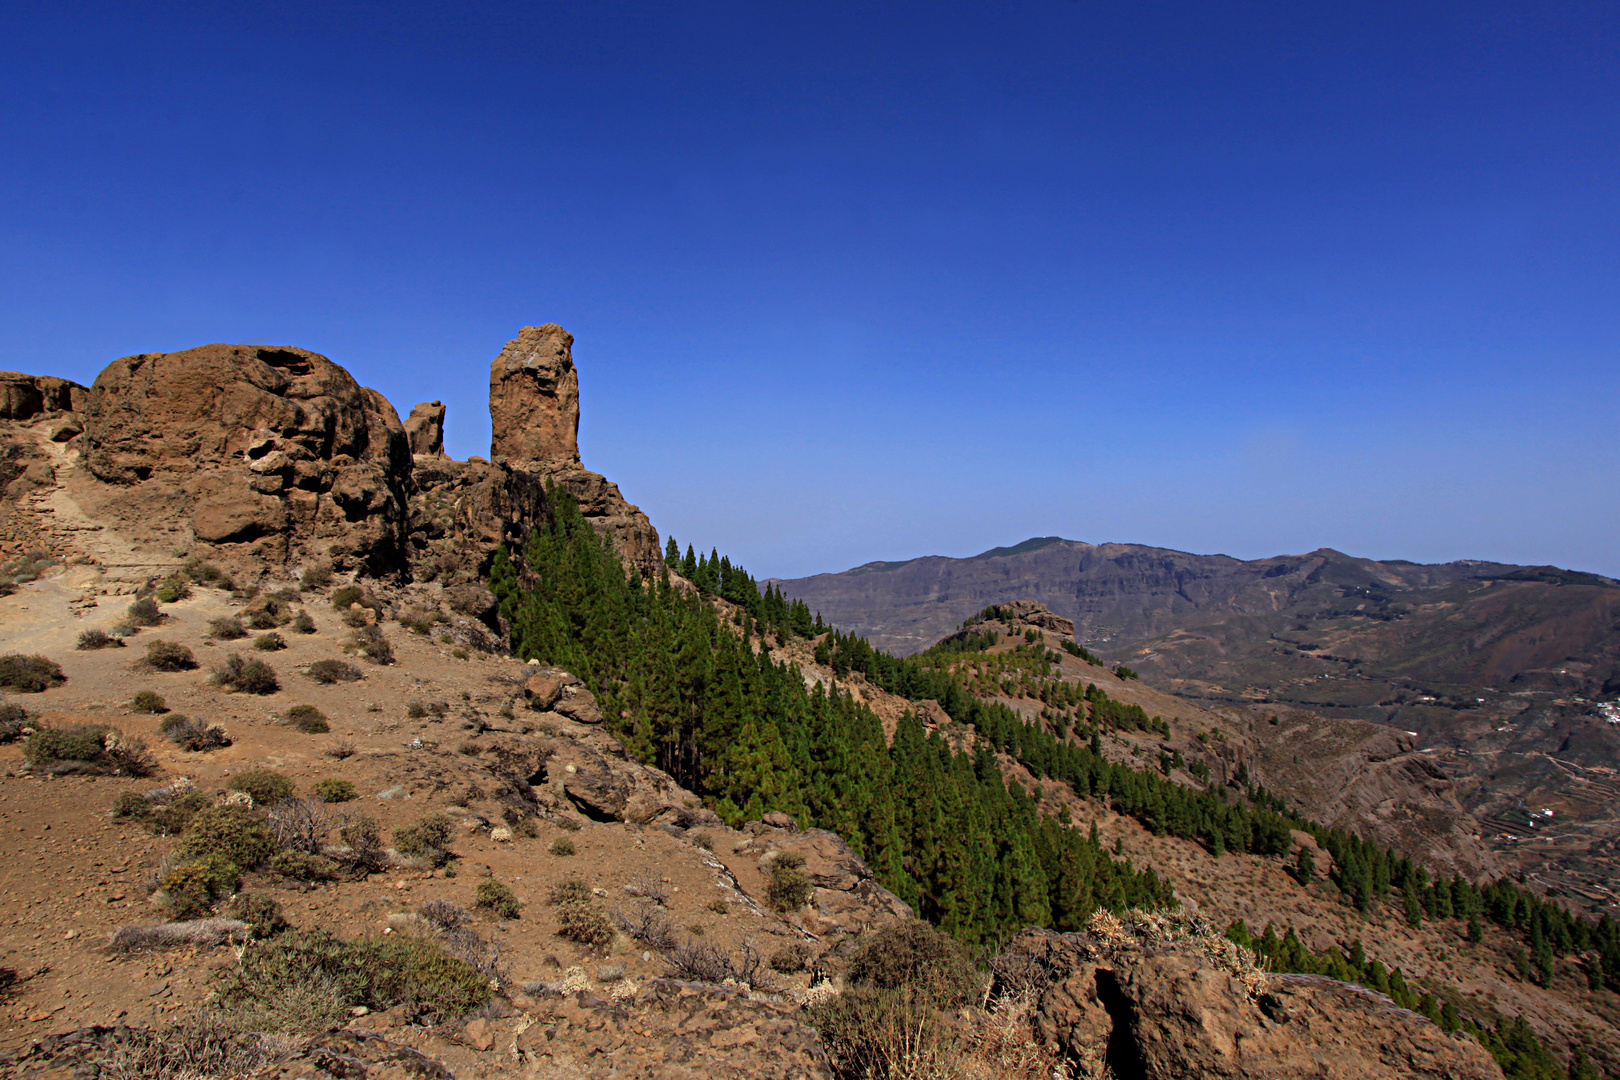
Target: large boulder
{"x":425,"y":428}
{"x":277,"y":453}
{"x":534,"y":400}
{"x":1161,"y":998}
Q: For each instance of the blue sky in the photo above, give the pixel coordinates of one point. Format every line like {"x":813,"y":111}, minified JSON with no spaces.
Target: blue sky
{"x":871,"y":281}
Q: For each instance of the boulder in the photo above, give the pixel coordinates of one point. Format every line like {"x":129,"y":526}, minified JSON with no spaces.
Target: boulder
{"x":1161,"y":998}
{"x":277,"y":446}
{"x":425,"y":428}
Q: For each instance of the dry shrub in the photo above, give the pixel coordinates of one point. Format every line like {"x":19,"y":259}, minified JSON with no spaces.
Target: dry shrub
{"x":271,"y":642}
{"x":445,"y":914}
{"x":203,"y":933}
{"x":299,"y":824}
{"x":362,"y":839}
{"x":426,"y":838}
{"x":699,"y":962}
{"x":203,"y":1047}
{"x":193,"y":735}
{"x":333,"y":671}
{"x":648,"y":924}
{"x":144,"y":612}
{"x":914,"y":956}
{"x":648,"y":885}
{"x":562,"y":846}
{"x":341,"y":750}
{"x":789,"y":888}
{"x":585,"y":924}
{"x":303,"y":623}
{"x":13,"y":722}
{"x":227,"y":628}
{"x":99,"y":639}
{"x":246,"y":675}
{"x":790,"y":958}
{"x":148,"y":702}
{"x":169,"y":656}
{"x":91,"y":749}
{"x":29,"y":674}
{"x":307,"y":718}
{"x":497,"y":898}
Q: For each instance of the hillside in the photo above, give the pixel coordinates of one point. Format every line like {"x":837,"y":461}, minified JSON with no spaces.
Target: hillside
{"x":1498,"y":671}
{"x":325,"y":755}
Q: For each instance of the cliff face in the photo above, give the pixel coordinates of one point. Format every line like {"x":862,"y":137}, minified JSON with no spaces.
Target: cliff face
{"x":260,"y":456}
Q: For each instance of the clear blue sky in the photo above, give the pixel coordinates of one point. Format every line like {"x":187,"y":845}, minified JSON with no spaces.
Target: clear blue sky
{"x":867,"y":281}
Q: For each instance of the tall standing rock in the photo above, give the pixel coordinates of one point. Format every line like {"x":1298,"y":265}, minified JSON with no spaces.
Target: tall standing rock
{"x":534,"y":429}
{"x":425,"y":428}
{"x":534,"y":400}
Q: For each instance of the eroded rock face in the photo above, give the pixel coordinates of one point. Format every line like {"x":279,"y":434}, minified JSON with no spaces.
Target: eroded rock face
{"x":425,"y":428}
{"x":534,"y":400}
{"x":847,"y":897}
{"x":1162,"y":1008}
{"x":275,"y":452}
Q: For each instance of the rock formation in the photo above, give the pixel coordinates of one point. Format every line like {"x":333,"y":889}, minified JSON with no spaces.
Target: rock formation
{"x":425,"y":428}
{"x":1157,"y":999}
{"x":278,"y":449}
{"x":534,"y":400}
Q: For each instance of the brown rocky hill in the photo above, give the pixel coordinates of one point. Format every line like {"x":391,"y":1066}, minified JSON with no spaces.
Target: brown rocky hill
{"x":1496,"y":671}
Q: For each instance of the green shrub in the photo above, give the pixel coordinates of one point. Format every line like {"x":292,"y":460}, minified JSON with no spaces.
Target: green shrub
{"x":308,"y":719}
{"x":315,"y":577}
{"x":98,"y":639}
{"x":29,"y":674}
{"x":302,"y":866}
{"x":271,"y":642}
{"x":191,"y":890}
{"x":144,"y":612}
{"x":232,"y":833}
{"x":303,"y":623}
{"x":914,"y":956}
{"x":264,"y":787}
{"x":206,"y":573}
{"x":346,"y":596}
{"x":148,"y":702}
{"x":264,"y":619}
{"x":427,"y":838}
{"x":261,"y":913}
{"x":306,"y":980}
{"x":169,"y":656}
{"x":172,"y":590}
{"x":703,"y":840}
{"x":334,"y":671}
{"x":789,"y":958}
{"x":246,"y":676}
{"x":227,"y":628}
{"x":333,"y":790}
{"x":789,"y":889}
{"x":167,"y":819}
{"x":562,"y":846}
{"x":498,"y":898}
{"x":131,"y":804}
{"x":81,"y":742}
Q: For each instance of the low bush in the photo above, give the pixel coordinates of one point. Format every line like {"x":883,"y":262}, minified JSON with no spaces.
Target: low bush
{"x":172,"y":590}
{"x":193,"y":735}
{"x":343,"y":598}
{"x":307,"y":718}
{"x":333,"y":671}
{"x":231,"y":833}
{"x":789,"y":958}
{"x":169,"y":656}
{"x":171,"y":817}
{"x":143,"y":612}
{"x":265,"y":618}
{"x":299,"y":824}
{"x":363,"y":838}
{"x":914,"y":956}
{"x":264,"y":787}
{"x":148,"y":702}
{"x":190,"y":891}
{"x":305,"y":981}
{"x":444,"y":914}
{"x":562,"y":846}
{"x":648,"y":924}
{"x":98,"y":639}
{"x":789,"y":889}
{"x":570,"y":890}
{"x":303,"y":623}
{"x":370,"y":643}
{"x":497,"y":898}
{"x":341,"y":750}
{"x":246,"y":676}
{"x":333,"y":790}
{"x":302,"y":866}
{"x":271,"y":642}
{"x":131,"y":804}
{"x":261,"y":913}
{"x":426,"y":838}
{"x":227,"y":628}
{"x":584,"y":924}
{"x":886,"y":1033}
{"x":13,"y":722}
{"x":88,"y":748}
{"x":317,"y":576}
{"x":29,"y":674}
{"x":206,"y":573}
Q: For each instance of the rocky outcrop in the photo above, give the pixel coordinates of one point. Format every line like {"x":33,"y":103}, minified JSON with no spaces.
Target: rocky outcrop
{"x":1162,"y":999}
{"x":534,"y":428}
{"x":23,"y":397}
{"x":273,"y":453}
{"x":847,"y":898}
{"x":425,"y":429}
